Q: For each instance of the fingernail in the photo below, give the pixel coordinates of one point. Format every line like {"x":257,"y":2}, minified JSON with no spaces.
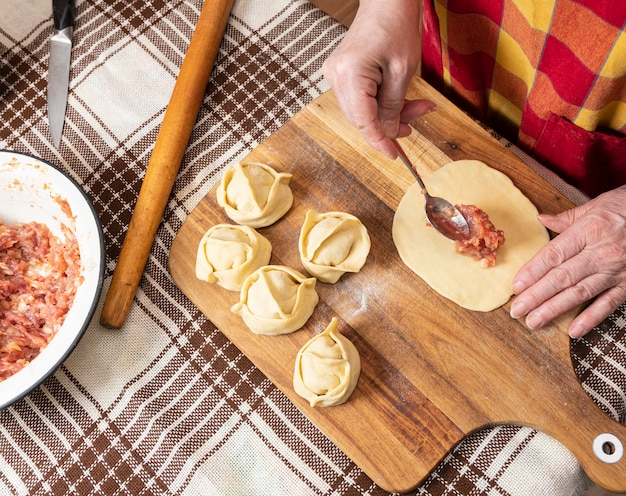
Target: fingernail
{"x":575,"y":331}
{"x":534,"y":321}
{"x":517,"y":309}
{"x":518,"y":285}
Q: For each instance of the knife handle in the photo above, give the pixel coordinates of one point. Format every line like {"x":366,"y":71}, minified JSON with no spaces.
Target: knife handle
{"x":63,"y":13}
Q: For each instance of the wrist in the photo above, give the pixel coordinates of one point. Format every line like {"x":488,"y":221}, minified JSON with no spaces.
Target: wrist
{"x":402,"y":8}
{"x":397,"y":16}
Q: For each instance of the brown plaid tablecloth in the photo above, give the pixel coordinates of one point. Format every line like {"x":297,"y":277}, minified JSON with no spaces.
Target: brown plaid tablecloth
{"x":168,"y":405}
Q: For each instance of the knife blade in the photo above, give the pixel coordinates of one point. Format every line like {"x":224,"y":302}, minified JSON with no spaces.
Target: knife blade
{"x":63,"y":12}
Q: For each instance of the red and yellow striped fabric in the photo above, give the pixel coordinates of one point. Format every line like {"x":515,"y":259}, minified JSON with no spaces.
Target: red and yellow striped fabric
{"x":548,"y":74}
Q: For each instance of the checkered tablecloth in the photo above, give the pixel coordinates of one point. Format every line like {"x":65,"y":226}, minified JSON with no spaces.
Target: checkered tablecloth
{"x":168,"y":405}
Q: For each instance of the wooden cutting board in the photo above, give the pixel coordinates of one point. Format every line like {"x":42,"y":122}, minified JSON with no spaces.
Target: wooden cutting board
{"x":432,"y":372}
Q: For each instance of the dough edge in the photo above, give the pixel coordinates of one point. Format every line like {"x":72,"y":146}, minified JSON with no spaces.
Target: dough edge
{"x":432,"y":256}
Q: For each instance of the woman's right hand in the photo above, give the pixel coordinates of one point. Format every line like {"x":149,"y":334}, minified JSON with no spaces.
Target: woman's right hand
{"x":371,"y":69}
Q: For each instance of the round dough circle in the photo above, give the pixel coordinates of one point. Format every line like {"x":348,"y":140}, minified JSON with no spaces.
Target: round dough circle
{"x":433,"y":257}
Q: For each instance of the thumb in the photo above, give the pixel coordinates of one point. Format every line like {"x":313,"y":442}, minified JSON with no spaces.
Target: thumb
{"x":391,"y":102}
{"x":389,"y":116}
{"x":414,"y":108}
{"x":410,"y":110}
{"x":560,"y":222}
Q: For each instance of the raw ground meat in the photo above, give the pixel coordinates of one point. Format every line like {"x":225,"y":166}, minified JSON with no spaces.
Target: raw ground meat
{"x":484,"y":238}
{"x":39,"y":275}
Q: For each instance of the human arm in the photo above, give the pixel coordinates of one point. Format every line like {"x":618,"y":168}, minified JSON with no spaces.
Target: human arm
{"x":586,"y":260}
{"x":371,"y":68}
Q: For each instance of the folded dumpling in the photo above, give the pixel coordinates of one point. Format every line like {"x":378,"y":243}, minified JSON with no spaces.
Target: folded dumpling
{"x":227,"y":254}
{"x":327,"y":368}
{"x":332,"y":244}
{"x":276,"y":299}
{"x":254,"y":195}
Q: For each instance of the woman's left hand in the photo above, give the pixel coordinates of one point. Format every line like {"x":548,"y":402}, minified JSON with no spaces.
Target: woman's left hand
{"x":586,"y":260}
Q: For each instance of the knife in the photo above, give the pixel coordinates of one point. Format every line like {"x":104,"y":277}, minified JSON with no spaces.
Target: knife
{"x":59,"y":66}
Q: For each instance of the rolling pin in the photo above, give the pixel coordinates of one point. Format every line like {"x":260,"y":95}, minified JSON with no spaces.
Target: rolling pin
{"x":169,"y":149}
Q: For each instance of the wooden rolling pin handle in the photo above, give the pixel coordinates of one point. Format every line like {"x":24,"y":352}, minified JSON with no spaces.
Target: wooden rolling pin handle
{"x":169,"y":149}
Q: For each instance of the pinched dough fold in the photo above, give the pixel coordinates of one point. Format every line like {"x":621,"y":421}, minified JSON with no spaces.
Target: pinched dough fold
{"x":227,"y":254}
{"x":276,"y":299}
{"x":254,"y":195}
{"x":327,"y":368}
{"x":332,"y":244}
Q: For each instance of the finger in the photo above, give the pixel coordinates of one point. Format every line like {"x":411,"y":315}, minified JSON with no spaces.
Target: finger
{"x":358,"y":102}
{"x":560,"y":222}
{"x":552,"y":255}
{"x":553,"y":222}
{"x":570,"y":282}
{"x":560,"y":290}
{"x":381,"y":141}
{"x":566,"y":245}
{"x":392,"y":102}
{"x":563,"y":301}
{"x":404,"y":130}
{"x":596,"y":312}
{"x":413,"y":109}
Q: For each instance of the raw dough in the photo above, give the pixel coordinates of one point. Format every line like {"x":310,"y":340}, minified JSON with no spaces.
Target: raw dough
{"x":276,"y":299}
{"x":227,"y":254}
{"x":332,"y":244}
{"x":254,"y":195}
{"x":432,"y":256}
{"x":327,"y":368}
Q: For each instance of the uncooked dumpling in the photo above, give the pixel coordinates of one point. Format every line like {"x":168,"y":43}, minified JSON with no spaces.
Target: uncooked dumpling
{"x":332,"y":244}
{"x":254,"y":195}
{"x":327,"y":368}
{"x":432,"y":256}
{"x":276,"y":299}
{"x":227,"y":254}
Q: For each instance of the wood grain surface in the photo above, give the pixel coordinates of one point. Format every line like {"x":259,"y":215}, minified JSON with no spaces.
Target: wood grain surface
{"x":432,"y":372}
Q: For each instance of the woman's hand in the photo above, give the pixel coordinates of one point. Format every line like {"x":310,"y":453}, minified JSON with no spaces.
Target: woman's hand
{"x":371,"y":68}
{"x":586,"y":260}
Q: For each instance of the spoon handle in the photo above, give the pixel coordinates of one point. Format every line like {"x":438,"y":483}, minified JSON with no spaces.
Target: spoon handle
{"x":410,"y":166}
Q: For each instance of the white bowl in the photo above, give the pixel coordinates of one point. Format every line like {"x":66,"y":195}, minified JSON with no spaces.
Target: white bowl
{"x":30,"y":190}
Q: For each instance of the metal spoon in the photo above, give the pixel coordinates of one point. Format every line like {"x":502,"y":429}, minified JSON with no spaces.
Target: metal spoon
{"x":443,"y":216}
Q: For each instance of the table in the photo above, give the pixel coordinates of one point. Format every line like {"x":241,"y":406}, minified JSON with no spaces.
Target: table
{"x":167,"y":405}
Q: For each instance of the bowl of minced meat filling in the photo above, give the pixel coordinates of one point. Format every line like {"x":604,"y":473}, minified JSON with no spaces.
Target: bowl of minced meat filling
{"x":51,"y":270}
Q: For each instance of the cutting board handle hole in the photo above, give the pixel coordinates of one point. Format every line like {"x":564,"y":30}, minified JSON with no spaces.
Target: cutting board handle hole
{"x":608,"y":448}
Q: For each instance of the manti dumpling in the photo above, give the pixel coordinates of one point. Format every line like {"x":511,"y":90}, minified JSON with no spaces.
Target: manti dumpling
{"x":276,"y":299}
{"x":227,"y":254}
{"x":254,"y":195}
{"x":332,"y":244}
{"x":327,"y":368}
